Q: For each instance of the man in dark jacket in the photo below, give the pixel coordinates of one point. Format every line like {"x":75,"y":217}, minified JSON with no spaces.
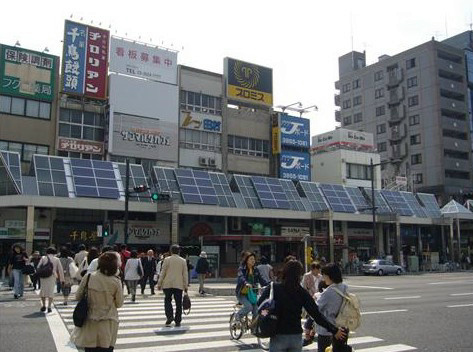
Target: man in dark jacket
{"x":149,"y":269}
{"x":202,"y":269}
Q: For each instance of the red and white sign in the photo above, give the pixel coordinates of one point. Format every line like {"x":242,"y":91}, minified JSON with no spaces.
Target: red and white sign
{"x":96,"y":64}
{"x":79,"y":146}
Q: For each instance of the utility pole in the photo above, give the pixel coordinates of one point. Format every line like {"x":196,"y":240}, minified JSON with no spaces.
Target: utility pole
{"x":373,"y":209}
{"x":127,"y":197}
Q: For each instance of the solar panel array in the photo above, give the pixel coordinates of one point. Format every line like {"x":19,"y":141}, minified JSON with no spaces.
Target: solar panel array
{"x":196,"y":187}
{"x":50,"y":176}
{"x":166,"y":182}
{"x":245,"y":187}
{"x":338,"y":198}
{"x":380,"y":203}
{"x":314,"y":196}
{"x":397,"y":202}
{"x":12,"y":160}
{"x":431,"y":207}
{"x":416,"y":208}
{"x":136,"y":178}
{"x":94,"y":178}
{"x":295,"y":201}
{"x":359,"y":200}
{"x":222,"y":189}
{"x":270,"y":192}
{"x":8,"y":185}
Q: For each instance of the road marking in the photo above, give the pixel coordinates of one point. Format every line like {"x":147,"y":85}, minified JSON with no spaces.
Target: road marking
{"x":384,"y":311}
{"x":460,"y":305}
{"x":389,"y":348}
{"x":451,"y":282}
{"x":60,"y":334}
{"x":163,"y":316}
{"x":139,"y":307}
{"x":374,"y":287}
{"x":461,"y":294}
{"x":406,"y":297}
{"x":163,"y":330}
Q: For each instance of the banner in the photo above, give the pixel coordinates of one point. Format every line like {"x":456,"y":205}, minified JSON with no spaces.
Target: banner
{"x":202,"y":122}
{"x":141,"y":232}
{"x":85,"y":58}
{"x":295,"y":165}
{"x":276,"y":140}
{"x":79,"y":146}
{"x":143,"y":61}
{"x":295,"y":131}
{"x":26,"y":73}
{"x":248,"y":82}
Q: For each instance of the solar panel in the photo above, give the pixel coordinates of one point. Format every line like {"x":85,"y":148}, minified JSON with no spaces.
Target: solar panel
{"x":12,"y":160}
{"x":94,"y":178}
{"x":222,"y":189}
{"x":359,"y":200}
{"x":196,"y":187}
{"x":431,"y":207}
{"x":397,"y":202}
{"x":50,"y":176}
{"x":137,"y":178}
{"x":416,"y":208}
{"x":380,"y":203}
{"x":165,"y":182}
{"x":338,"y":198}
{"x":246,"y":189}
{"x":270,"y":192}
{"x":313,"y":195}
{"x":8,"y":185}
{"x":295,"y":201}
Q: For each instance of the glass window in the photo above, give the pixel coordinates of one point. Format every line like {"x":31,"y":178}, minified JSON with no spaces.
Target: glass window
{"x":28,"y":151}
{"x":88,"y":133}
{"x":32,"y":108}
{"x":190,"y":98}
{"x":76,"y":131}
{"x":230,"y":141}
{"x":64,"y":130}
{"x":89,"y":118}
{"x":42,"y":150}
{"x":65,"y":115}
{"x":358,"y":117}
{"x":205,"y":100}
{"x":5,"y":104}
{"x":18,"y":106}
{"x":76,"y":116}
{"x":15,"y":147}
{"x":99,"y":135}
{"x":196,"y":136}
{"x":44,"y":110}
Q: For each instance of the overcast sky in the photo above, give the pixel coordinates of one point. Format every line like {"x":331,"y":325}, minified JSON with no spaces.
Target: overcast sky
{"x":300,"y":40}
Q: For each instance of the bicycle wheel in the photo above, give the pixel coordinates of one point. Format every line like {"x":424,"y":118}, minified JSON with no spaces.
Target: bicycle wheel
{"x":236,"y":327}
{"x":263,"y":343}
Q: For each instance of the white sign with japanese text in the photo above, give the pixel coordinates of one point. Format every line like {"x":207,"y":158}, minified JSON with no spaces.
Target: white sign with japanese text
{"x":143,"y":61}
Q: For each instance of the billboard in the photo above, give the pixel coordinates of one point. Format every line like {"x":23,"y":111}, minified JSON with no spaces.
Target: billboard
{"x":80,"y":146}
{"x":295,"y":131}
{"x":143,"y":137}
{"x":141,"y":232}
{"x":248,"y":82}
{"x":26,"y":73}
{"x":349,"y":139}
{"x":201,"y":122}
{"x":85,"y":59}
{"x":143,"y":61}
{"x":294,"y":165}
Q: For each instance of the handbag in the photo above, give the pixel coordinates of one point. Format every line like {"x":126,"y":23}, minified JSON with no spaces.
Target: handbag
{"x":186,"y":304}
{"x":28,"y":270}
{"x":80,"y":311}
{"x":267,"y":320}
{"x":46,"y":270}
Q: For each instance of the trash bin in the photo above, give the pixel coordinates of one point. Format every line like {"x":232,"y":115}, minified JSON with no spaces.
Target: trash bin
{"x":413,"y":263}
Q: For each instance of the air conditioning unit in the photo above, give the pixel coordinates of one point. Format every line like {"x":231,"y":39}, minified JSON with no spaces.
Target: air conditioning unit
{"x":235,"y":224}
{"x":212,"y":162}
{"x":202,"y":160}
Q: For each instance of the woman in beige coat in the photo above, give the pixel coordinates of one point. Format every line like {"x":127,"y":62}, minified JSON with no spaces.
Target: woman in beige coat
{"x":99,"y":332}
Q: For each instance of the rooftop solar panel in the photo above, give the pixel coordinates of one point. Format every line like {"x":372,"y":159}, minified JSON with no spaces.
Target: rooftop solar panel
{"x":397,"y":202}
{"x":295,"y":201}
{"x":50,"y":176}
{"x":8,"y":185}
{"x":196,"y":187}
{"x":136,"y":178}
{"x":359,"y":200}
{"x":165,"y":182}
{"x":430,"y":205}
{"x":314,"y":196}
{"x":413,"y":203}
{"x":270,"y":192}
{"x":12,"y":161}
{"x":94,"y":178}
{"x":222,"y":189}
{"x":338,"y":198}
{"x":246,"y":189}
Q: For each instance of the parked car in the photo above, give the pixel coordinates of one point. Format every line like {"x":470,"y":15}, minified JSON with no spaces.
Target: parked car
{"x":381,"y":267}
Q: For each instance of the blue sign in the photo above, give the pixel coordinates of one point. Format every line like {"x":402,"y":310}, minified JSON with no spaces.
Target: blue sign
{"x":295,"y":131}
{"x":73,"y":68}
{"x":295,"y":165}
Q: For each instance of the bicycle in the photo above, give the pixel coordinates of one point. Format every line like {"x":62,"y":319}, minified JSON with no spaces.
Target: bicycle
{"x":240,"y":327}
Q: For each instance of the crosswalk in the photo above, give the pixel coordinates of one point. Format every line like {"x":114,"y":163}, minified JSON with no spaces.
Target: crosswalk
{"x":206,"y":328}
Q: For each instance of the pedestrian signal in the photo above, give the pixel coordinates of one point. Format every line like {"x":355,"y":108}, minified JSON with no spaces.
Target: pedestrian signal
{"x":105,"y":231}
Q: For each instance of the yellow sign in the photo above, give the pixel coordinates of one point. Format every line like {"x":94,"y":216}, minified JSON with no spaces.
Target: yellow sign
{"x":276,"y":140}
{"x":250,"y":95}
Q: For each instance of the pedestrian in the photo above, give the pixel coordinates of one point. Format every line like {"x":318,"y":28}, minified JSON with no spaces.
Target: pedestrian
{"x":34,"y":260}
{"x":66,"y":261}
{"x":265,"y":269}
{"x":149,"y":269}
{"x":79,"y":256}
{"x":84,"y":266}
{"x":290,"y":298}
{"x":311,"y":281}
{"x":189,"y":270}
{"x":329,"y":304}
{"x":173,"y":280}
{"x":47,"y":283}
{"x":17,"y":263}
{"x":248,"y":279}
{"x":133,"y":273}
{"x":105,"y":296}
{"x":202,"y":269}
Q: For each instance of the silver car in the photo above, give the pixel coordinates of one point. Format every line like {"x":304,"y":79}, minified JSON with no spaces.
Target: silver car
{"x":381,"y":267}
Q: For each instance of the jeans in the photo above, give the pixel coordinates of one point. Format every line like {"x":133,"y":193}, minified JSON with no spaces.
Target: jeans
{"x":131,"y":285}
{"x":18,"y":284}
{"x":247,"y":306}
{"x":285,"y":343}
{"x":168,"y":294}
{"x":201,"y":278}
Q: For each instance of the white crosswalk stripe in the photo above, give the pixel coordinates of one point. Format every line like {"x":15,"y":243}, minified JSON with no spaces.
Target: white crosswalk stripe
{"x":206,"y":328}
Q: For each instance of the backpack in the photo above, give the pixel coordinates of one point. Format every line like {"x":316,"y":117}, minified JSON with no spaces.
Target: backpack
{"x":267,"y":320}
{"x":349,"y":315}
{"x":45,"y":270}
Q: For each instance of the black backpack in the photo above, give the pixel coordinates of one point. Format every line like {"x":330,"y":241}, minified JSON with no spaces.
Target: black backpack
{"x":45,"y":270}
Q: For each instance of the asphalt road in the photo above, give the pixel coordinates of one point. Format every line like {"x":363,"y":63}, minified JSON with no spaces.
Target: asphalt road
{"x":433,"y":312}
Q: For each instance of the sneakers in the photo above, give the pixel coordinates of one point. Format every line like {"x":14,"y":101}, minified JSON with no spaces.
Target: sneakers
{"x":168,"y":323}
{"x":178,"y":325}
{"x":16,"y":296}
{"x":50,"y":310}
{"x":43,"y":309}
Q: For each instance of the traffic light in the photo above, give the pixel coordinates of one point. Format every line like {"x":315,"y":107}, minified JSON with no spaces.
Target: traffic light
{"x":106,"y":230}
{"x":155,"y":196}
{"x":309,"y":255}
{"x":140,"y":188}
{"x":160,"y":197}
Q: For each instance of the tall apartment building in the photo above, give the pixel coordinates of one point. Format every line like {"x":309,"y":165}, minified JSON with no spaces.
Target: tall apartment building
{"x":415,"y":104}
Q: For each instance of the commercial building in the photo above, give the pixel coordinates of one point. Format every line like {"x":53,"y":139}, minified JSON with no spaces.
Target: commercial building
{"x":344,"y":157}
{"x":415,"y":103}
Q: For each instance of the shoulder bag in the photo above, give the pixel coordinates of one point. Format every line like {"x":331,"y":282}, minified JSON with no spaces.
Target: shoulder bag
{"x":45,"y":270}
{"x":80,"y":311}
{"x":267,"y":320}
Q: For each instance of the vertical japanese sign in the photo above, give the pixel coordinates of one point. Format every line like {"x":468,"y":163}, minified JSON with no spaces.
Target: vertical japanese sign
{"x":85,"y":60}
{"x":26,"y":73}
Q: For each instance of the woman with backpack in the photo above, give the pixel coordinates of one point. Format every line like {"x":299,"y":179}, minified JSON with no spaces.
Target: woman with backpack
{"x":66,"y":261}
{"x":133,"y":273}
{"x":49,"y":270}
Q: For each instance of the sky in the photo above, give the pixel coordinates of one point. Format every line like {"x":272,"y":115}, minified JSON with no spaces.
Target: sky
{"x":300,"y":40}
